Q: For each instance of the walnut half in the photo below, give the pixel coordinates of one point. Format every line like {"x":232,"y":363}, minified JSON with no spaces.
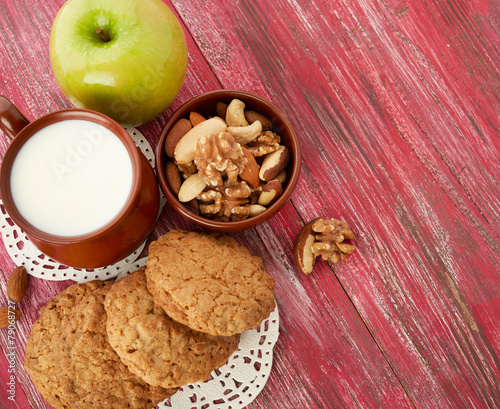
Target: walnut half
{"x":323,"y":238}
{"x":219,"y":155}
{"x":329,"y":242}
{"x":226,"y":202}
{"x":267,"y":142}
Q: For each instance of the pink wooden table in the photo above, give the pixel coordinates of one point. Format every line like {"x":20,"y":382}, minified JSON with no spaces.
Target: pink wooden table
{"x":397,"y":105}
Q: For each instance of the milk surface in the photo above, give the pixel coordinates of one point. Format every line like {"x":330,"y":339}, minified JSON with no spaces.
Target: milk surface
{"x":71,"y":178}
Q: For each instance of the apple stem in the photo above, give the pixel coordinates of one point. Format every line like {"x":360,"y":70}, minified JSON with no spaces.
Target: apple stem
{"x":103,"y":35}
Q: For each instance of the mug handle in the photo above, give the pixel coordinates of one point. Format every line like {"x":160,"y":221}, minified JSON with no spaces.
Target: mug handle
{"x":11,"y":120}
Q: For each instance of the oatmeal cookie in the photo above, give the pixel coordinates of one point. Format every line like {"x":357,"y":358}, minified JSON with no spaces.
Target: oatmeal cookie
{"x":156,"y":348}
{"x":71,"y":362}
{"x":209,"y":282}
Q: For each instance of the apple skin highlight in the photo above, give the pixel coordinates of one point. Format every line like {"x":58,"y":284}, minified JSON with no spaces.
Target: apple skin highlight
{"x":133,"y":77}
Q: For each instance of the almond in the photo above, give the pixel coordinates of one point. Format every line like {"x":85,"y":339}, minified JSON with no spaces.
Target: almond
{"x":181,"y":127}
{"x":221,"y":109}
{"x":8,"y":316}
{"x":173,"y":177}
{"x":251,"y":172}
{"x":17,"y":284}
{"x":192,"y":206}
{"x":270,"y":192}
{"x":196,"y":118}
{"x":191,"y":188}
{"x":252,"y":116}
{"x":274,"y":163}
{"x":302,"y":249}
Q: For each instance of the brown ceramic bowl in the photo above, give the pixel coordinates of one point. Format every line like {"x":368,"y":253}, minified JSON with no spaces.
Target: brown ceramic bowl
{"x":205,"y":105}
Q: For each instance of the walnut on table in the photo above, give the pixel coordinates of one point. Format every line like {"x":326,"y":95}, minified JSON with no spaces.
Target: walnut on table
{"x":217,"y":156}
{"x":226,"y":202}
{"x":330,"y":240}
{"x":323,"y":238}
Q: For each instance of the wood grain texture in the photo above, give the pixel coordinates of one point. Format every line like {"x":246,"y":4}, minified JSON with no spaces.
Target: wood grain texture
{"x":397,"y":107}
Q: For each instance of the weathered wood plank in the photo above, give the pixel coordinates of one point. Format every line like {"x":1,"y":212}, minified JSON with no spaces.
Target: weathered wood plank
{"x":26,"y":78}
{"x":325,"y":357}
{"x":397,"y":107}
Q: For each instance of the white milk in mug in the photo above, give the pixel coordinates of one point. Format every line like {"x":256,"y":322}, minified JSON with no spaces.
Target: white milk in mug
{"x":71,"y":178}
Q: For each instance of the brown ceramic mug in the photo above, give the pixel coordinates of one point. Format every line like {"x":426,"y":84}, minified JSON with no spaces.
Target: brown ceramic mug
{"x":77,"y":185}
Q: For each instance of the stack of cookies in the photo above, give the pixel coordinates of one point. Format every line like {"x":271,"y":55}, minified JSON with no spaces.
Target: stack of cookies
{"x":134,"y":342}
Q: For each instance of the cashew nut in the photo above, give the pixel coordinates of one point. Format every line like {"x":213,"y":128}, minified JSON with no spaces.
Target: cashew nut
{"x":184,"y":150}
{"x":246,"y":134}
{"x":235,"y":114}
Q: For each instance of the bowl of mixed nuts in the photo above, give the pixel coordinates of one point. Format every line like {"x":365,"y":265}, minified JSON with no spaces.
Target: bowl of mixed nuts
{"x":228,"y":160}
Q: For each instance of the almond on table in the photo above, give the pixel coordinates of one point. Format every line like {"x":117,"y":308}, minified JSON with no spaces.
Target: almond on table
{"x":8,"y":316}
{"x":17,"y":284}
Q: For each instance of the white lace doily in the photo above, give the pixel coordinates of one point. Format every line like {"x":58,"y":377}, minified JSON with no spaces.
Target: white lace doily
{"x":236,"y":384}
{"x":23,"y":252}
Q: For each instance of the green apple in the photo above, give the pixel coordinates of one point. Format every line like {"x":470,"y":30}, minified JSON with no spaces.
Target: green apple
{"x":124,"y":58}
